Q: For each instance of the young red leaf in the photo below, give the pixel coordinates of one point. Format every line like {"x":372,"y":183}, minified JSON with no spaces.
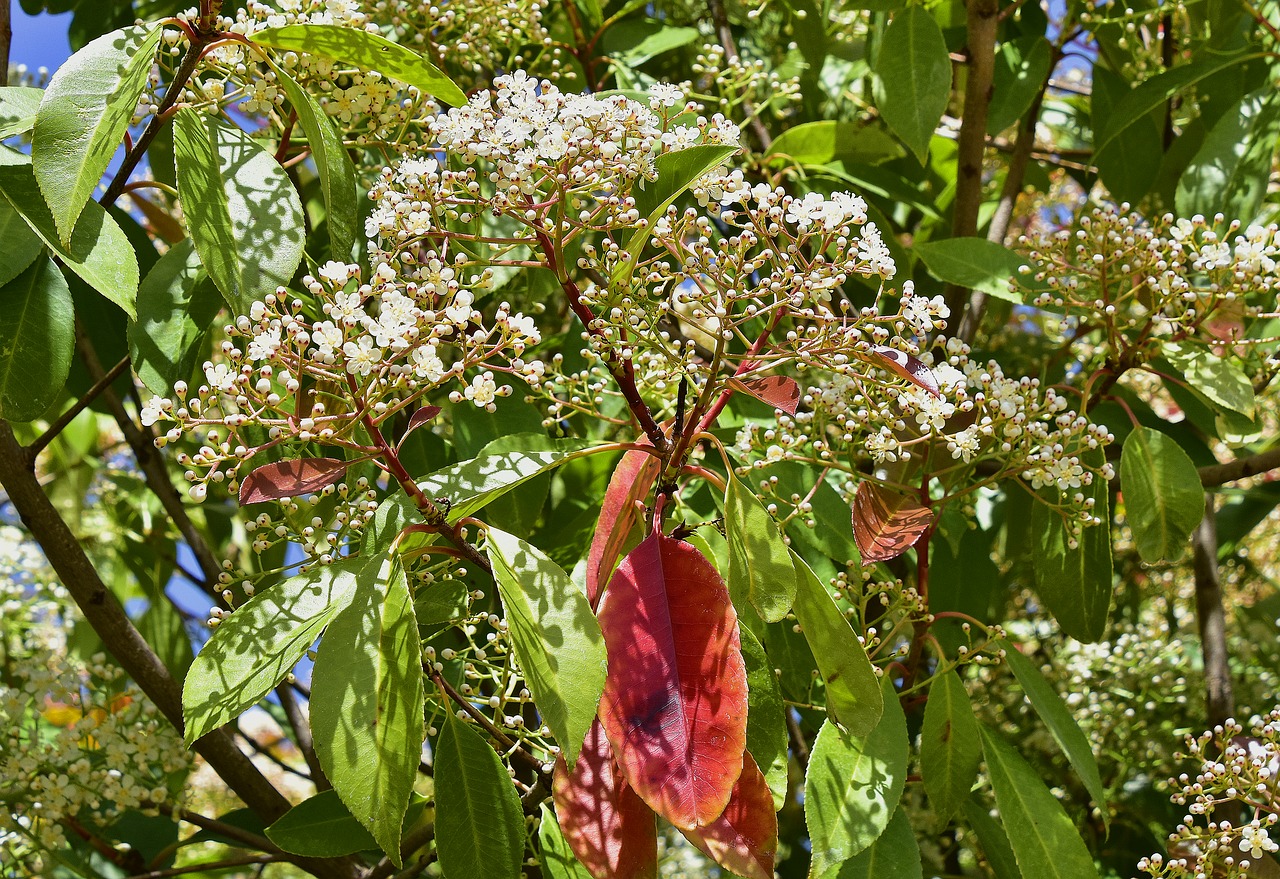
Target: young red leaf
{"x":419,"y":418}
{"x":903,"y":364}
{"x":271,"y":482}
{"x":610,"y":829}
{"x":744,"y":839}
{"x":885,"y":523}
{"x":631,"y":481}
{"x":675,"y":701}
{"x":778,"y":391}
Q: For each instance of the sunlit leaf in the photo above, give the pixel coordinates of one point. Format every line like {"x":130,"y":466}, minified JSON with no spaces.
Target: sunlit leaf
{"x":779,"y":391}
{"x":479,"y":822}
{"x":320,"y":827}
{"x":555,"y":855}
{"x":950,"y":749}
{"x":759,"y":562}
{"x":176,"y":307}
{"x":744,"y":839}
{"x":913,"y":77}
{"x":973,"y":263}
{"x":632,"y":480}
{"x":18,"y":106}
{"x":894,"y":855}
{"x":766,"y":717}
{"x":886,"y":523}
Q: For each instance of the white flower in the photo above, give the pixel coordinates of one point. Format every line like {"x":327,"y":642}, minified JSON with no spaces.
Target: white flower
{"x":1254,"y":837}
{"x":427,"y":364}
{"x":663,"y":94}
{"x":154,"y":410}
{"x":337,"y":273}
{"x":362,"y":358}
{"x":482,"y":391}
{"x":965,"y":443}
{"x":219,"y":377}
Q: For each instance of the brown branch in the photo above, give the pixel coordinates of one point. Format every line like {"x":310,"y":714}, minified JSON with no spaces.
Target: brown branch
{"x":485,"y":723}
{"x":725,"y":33}
{"x":6,"y":41}
{"x":243,"y":837}
{"x":43,"y":440}
{"x":1241,"y":468}
{"x":798,"y":745}
{"x":301,"y":728}
{"x":226,"y":863}
{"x":982,"y":22}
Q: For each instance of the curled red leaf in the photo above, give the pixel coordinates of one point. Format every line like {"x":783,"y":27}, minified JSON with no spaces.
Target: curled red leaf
{"x":675,"y":702}
{"x":743,"y":840}
{"x":283,"y":479}
{"x":610,"y":829}
{"x":631,"y":481}
{"x":778,"y":391}
{"x":885,"y":523}
{"x":903,"y":364}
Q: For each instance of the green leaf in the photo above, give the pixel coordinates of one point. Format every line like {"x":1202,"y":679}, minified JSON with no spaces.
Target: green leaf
{"x":766,"y":717}
{"x":760,"y":565}
{"x":973,"y":263}
{"x":1075,"y":582}
{"x":853,"y":691}
{"x":1217,"y":378}
{"x":333,"y":165}
{"x":367,"y":701}
{"x":19,"y":246}
{"x":1022,"y":66}
{"x":1163,"y":497}
{"x":994,"y":842}
{"x":556,"y":637}
{"x":320,"y":827}
{"x":37,"y":337}
{"x":479,"y":822}
{"x":99,"y":252}
{"x":1057,"y":717}
{"x":554,"y":854}
{"x":950,"y":749}
{"x":176,"y":305}
{"x":1129,"y":167}
{"x":241,"y":209}
{"x":817,"y":143}
{"x":254,"y":648}
{"x":18,"y":106}
{"x":84,"y":114}
{"x":913,"y":78}
{"x":853,"y":785}
{"x":659,"y":41}
{"x":1229,"y":172}
{"x":1044,"y":839}
{"x":367,"y":51}
{"x":895,"y":855}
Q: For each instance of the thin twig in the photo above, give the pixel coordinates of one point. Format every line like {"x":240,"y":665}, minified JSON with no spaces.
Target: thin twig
{"x":301,"y":729}
{"x":59,"y":425}
{"x":224,"y":864}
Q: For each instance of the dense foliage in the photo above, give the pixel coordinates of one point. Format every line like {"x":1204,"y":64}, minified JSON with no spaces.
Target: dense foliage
{"x":640,"y":438}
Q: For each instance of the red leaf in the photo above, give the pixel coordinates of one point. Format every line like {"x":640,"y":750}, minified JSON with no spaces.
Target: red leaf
{"x":675,"y":702}
{"x":886,"y":524}
{"x":271,"y":482}
{"x":778,"y":391}
{"x":744,"y":839}
{"x":903,"y":364}
{"x":419,"y":418}
{"x":610,"y":829}
{"x":631,"y":481}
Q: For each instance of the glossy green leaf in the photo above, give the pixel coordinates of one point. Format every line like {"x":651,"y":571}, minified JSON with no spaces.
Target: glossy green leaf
{"x":760,"y":565}
{"x":895,"y":855}
{"x":333,"y":165}
{"x":254,"y":648}
{"x":99,"y":252}
{"x":994,"y":841}
{"x":1045,"y":841}
{"x":913,"y":78}
{"x":1163,"y":497}
{"x":554,"y":853}
{"x":556,"y":637}
{"x":1057,"y":717}
{"x":37,"y":338}
{"x":973,"y":263}
{"x":1126,"y":167}
{"x":1074,"y":582}
{"x":479,"y":822}
{"x":853,"y":785}
{"x":365,"y":50}
{"x":1022,"y":66}
{"x":950,"y":749}
{"x":1230,"y":171}
{"x":659,"y":41}
{"x":817,"y":143}
{"x":176,"y":306}
{"x":241,"y":209}
{"x":18,"y":106}
{"x":853,"y":691}
{"x":367,"y":701}
{"x":19,"y":245}
{"x":320,"y":827}
{"x":766,"y":717}
{"x":84,"y":114}
{"x":1216,"y":377}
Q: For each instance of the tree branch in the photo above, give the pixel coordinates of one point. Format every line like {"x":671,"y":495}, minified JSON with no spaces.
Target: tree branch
{"x":1219,"y":698}
{"x":1241,"y":468}
{"x":301,"y":727}
{"x":6,"y":41}
{"x":226,"y":863}
{"x":43,"y":440}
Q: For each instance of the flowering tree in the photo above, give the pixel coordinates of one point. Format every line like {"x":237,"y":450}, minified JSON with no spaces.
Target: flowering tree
{"x":629,"y":439}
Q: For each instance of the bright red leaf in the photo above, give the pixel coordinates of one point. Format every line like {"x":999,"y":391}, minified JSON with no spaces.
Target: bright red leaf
{"x":271,"y":482}
{"x":744,"y":840}
{"x":631,"y":482}
{"x":885,"y":523}
{"x":903,"y":364}
{"x":675,"y":702}
{"x":610,"y":829}
{"x":778,"y":391}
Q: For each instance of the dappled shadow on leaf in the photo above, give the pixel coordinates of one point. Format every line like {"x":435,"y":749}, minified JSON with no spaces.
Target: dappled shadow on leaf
{"x":885,"y":523}
{"x":745,"y":838}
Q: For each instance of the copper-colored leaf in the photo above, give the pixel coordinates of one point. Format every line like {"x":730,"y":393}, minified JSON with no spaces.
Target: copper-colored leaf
{"x":166,"y":226}
{"x":903,"y":364}
{"x":271,"y":482}
{"x":610,"y":829}
{"x":885,"y":523}
{"x":631,"y":481}
{"x":778,"y":391}
{"x":675,"y":702}
{"x":419,"y":418}
{"x":744,"y":839}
